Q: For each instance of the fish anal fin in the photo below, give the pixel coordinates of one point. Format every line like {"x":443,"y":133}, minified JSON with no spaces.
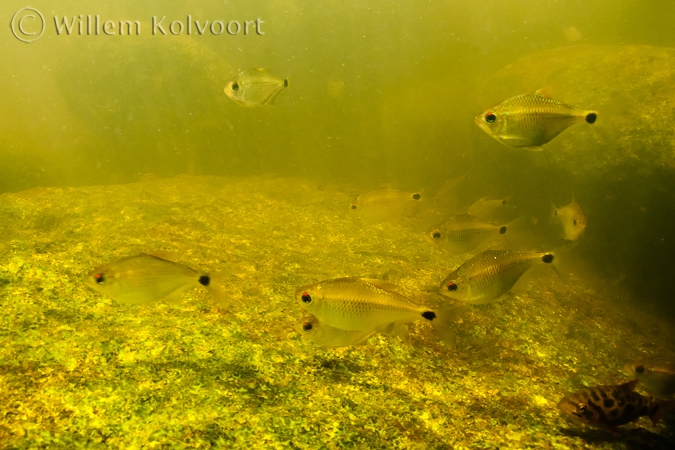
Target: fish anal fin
{"x":174,"y":297}
{"x":397,"y":329}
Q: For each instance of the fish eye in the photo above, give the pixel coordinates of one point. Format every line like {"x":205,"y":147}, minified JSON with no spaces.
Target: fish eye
{"x":235,"y":87}
{"x":307,"y":327}
{"x":503,"y":202}
{"x":306,"y":298}
{"x":639,"y":369}
{"x":581,"y":407}
{"x":99,"y":278}
{"x":436,"y":235}
{"x":490,"y":117}
{"x":452,"y":286}
{"x":574,"y":222}
{"x":353,"y":206}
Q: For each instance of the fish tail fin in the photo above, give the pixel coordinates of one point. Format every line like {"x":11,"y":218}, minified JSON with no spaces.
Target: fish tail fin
{"x":662,"y":407}
{"x":213,"y":284}
{"x":444,"y":322}
{"x":559,"y":257}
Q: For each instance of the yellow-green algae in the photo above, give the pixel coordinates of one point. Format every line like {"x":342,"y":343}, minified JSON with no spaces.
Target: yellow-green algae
{"x":79,"y":371}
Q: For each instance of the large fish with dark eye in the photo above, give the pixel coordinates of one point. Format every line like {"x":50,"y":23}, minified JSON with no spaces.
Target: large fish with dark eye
{"x":327,"y":336}
{"x":657,"y":379}
{"x":366,"y":304}
{"x":145,"y":278}
{"x":608,"y":407}
{"x":572,"y":218}
{"x":463,"y":233}
{"x":529,"y":121}
{"x":490,"y":274}
{"x":386,"y":204}
{"x":255,"y":87}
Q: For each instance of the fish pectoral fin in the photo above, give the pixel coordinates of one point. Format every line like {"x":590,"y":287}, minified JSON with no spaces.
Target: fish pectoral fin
{"x":533,"y":148}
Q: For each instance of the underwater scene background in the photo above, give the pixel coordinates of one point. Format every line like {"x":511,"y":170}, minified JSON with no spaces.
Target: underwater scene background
{"x":115,"y":145}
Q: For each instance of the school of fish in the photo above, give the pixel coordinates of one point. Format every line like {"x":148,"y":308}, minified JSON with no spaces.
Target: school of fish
{"x":348,"y":311}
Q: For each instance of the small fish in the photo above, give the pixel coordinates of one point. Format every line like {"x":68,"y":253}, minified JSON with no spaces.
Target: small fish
{"x":572,"y":218}
{"x":448,"y":197}
{"x":607,"y":407}
{"x":657,"y":379}
{"x":334,"y":88}
{"x":145,"y":278}
{"x":572,"y":34}
{"x":490,"y":274}
{"x":463,"y":233}
{"x":386,"y":204}
{"x":255,"y":87}
{"x":328,"y":336}
{"x":491,"y":209}
{"x":366,"y":304}
{"x":530,"y":120}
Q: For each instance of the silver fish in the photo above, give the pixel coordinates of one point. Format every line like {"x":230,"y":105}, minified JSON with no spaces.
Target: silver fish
{"x":498,"y":209}
{"x":366,"y":304}
{"x":145,"y":278}
{"x":386,"y":204}
{"x":657,"y":379}
{"x":490,"y":274}
{"x":530,"y":120}
{"x":573,"y":220}
{"x":255,"y":87}
{"x":463,"y":233}
{"x":327,"y":336}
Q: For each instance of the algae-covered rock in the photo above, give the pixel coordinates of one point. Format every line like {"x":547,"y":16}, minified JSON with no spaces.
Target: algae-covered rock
{"x":631,"y":87}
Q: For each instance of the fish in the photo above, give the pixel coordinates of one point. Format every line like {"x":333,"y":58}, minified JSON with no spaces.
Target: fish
{"x":572,"y":218}
{"x":529,"y":121}
{"x":327,"y":336}
{"x":386,"y":204}
{"x":657,"y":379}
{"x":607,"y":407}
{"x":490,"y":274}
{"x":334,"y":88}
{"x":367,"y":304}
{"x":447,"y":199}
{"x":572,"y":34}
{"x":463,"y":233}
{"x":491,"y":209}
{"x":255,"y":87}
{"x":146,"y":278}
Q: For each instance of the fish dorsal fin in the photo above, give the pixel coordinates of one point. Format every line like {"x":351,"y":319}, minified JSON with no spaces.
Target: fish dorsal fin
{"x":164,"y":254}
{"x":380,"y":284}
{"x":546,"y":92}
{"x":630,"y":386}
